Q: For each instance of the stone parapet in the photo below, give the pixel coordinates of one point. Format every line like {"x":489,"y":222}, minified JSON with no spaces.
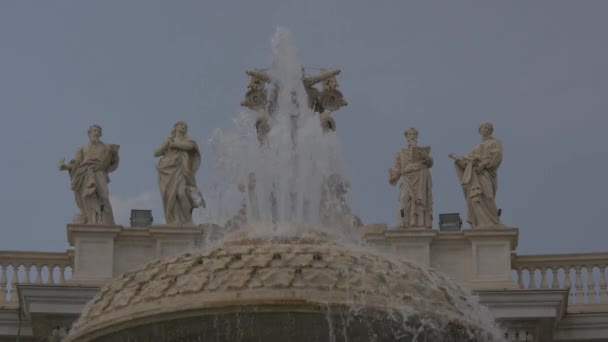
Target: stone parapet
{"x":102,"y":252}
{"x":479,"y":258}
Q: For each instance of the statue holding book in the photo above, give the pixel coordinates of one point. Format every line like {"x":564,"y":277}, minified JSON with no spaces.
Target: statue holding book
{"x":413,"y":164}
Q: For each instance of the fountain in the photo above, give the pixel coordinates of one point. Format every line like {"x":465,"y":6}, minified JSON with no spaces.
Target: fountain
{"x":293,"y":272}
{"x":290,"y":166}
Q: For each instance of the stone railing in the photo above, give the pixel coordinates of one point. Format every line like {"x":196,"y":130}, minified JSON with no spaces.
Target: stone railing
{"x":519,"y":334}
{"x":18,"y":267}
{"x":584,"y":274}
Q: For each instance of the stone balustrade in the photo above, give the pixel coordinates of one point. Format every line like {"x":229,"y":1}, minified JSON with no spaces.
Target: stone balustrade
{"x":21,"y":267}
{"x":584,"y":274}
{"x":519,"y":334}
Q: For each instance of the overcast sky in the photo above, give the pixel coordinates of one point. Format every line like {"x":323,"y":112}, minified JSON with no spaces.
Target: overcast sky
{"x":537,"y":70}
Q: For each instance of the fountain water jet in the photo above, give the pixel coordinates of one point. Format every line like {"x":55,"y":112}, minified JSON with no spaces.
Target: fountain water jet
{"x":290,"y":178}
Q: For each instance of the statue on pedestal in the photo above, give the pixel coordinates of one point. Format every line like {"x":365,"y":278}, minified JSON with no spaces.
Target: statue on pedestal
{"x":415,"y":192}
{"x":89,"y":178}
{"x":176,"y":175}
{"x":477,"y":172}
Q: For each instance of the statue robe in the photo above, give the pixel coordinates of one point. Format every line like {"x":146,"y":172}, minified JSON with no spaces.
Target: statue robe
{"x":415,"y":191}
{"x":176,"y":178}
{"x":480,"y":190}
{"x":89,"y":180}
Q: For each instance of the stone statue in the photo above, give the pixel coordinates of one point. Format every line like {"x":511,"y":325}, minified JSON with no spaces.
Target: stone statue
{"x":477,"y":172}
{"x":176,"y":175}
{"x":415,"y":192}
{"x":89,"y":178}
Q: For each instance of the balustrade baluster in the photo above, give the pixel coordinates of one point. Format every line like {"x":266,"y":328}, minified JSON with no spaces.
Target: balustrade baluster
{"x":579,"y":292}
{"x":26,"y":273}
{"x":509,"y":335}
{"x":52,"y":275}
{"x":38,"y":274}
{"x":532,"y":282}
{"x":603,"y":287}
{"x":14,"y":281}
{"x":544,"y":284}
{"x":590,"y":285}
{"x":568,"y":282}
{"x":521,"y":334}
{"x":61,"y":274}
{"x":14,"y":278}
{"x":555,"y":280}
{"x":2,"y":284}
{"x":520,"y":278}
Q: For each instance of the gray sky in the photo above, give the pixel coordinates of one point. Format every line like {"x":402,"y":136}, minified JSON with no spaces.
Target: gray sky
{"x":538,"y":70}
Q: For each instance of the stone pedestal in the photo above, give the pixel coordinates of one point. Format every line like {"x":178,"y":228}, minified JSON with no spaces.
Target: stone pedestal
{"x":491,"y":255}
{"x":172,"y":240}
{"x":102,"y":252}
{"x":477,"y":258}
{"x":93,"y":251}
{"x":413,"y":243}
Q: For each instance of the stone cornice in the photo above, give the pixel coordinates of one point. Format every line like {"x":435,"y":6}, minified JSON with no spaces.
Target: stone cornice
{"x":564,"y":260}
{"x":380,"y":232}
{"x":11,"y":325}
{"x":583,"y":326}
{"x":91,"y":229}
{"x":539,"y":303}
{"x":32,"y":257}
{"x":56,"y":299}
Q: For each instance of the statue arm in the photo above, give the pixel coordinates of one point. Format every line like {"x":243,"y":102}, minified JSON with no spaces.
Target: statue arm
{"x":184,"y":145}
{"x":78,"y":157}
{"x":259,"y":74}
{"x":493,"y":157}
{"x":309,"y":81}
{"x":65,"y":167}
{"x":160,"y":151}
{"x":428,"y":162}
{"x":394,"y":173}
{"x":115,"y":158}
{"x":460,"y":161}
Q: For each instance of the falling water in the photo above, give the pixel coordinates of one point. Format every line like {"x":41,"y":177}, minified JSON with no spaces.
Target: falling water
{"x":283,"y":181}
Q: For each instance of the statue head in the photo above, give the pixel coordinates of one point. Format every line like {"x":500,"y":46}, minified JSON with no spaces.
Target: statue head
{"x":486,"y":129}
{"x":95,"y":133}
{"x":411,"y":135}
{"x":179,"y":128}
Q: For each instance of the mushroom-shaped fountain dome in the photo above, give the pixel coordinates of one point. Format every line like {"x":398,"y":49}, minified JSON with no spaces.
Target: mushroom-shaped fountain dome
{"x":283,"y":289}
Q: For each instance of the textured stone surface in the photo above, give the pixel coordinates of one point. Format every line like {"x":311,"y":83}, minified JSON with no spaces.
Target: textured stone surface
{"x":290,"y":273}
